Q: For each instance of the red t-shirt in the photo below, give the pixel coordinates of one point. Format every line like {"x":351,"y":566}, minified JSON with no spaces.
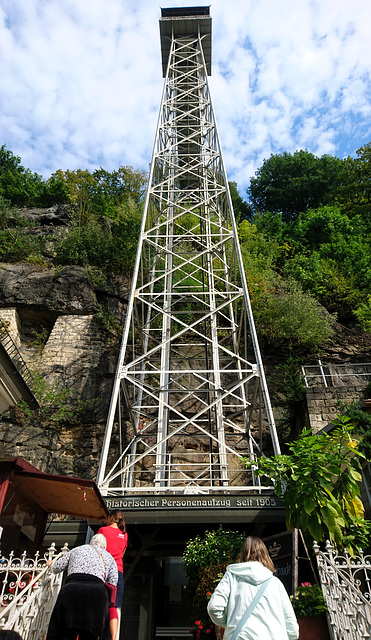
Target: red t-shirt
{"x":117,"y":541}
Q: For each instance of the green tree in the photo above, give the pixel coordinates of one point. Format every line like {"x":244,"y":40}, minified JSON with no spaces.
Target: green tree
{"x":242,"y":210}
{"x":116,"y":188}
{"x":101,"y":192}
{"x":80,"y":187}
{"x":354,"y":193}
{"x":18,"y":185}
{"x":330,"y":257}
{"x":318,"y":481}
{"x":24,"y":188}
{"x":290,"y":183}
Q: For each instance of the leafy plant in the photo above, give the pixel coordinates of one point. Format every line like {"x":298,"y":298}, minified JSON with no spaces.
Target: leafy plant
{"x":308,"y":601}
{"x":362,"y":425}
{"x":289,"y":317}
{"x":39,"y":339}
{"x":16,"y":242}
{"x":108,"y":322}
{"x":363,"y":314}
{"x":205,"y":560}
{"x":318,"y":481}
{"x":288,"y":379}
{"x":58,"y":404}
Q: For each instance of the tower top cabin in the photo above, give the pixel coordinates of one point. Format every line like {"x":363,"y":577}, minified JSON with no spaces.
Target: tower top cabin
{"x":182,"y":22}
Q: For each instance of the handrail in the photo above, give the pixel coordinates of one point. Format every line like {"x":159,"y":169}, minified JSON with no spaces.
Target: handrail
{"x":14,"y":354}
{"x":335,"y":371}
{"x":29,"y":611}
{"x":346,"y":595}
{"x":30,"y":586}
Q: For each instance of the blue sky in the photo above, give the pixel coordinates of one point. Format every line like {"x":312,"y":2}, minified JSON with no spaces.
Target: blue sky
{"x":81,"y":80}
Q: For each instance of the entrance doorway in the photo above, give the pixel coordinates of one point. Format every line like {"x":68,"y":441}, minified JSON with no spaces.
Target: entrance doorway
{"x":156,"y":601}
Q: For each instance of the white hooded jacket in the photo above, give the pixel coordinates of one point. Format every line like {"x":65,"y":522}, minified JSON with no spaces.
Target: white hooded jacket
{"x":273,"y":618}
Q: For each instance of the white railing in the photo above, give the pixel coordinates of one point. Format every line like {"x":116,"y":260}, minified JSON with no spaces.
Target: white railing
{"x":186,"y":473}
{"x":333,"y":375}
{"x":28,"y":593}
{"x":345,"y":582}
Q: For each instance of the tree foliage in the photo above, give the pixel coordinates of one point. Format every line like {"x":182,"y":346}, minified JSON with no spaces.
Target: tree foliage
{"x":102,"y":192}
{"x":205,"y":560}
{"x":101,"y":242}
{"x":242,"y":210}
{"x":354,"y":194}
{"x":318,"y":481}
{"x":22,"y":187}
{"x":291,"y":183}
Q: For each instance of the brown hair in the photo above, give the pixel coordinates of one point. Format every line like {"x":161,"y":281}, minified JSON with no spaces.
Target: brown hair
{"x":118,"y":517}
{"x":254,"y":549}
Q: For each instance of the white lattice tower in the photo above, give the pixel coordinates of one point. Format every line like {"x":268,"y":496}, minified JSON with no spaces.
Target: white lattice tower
{"x":188,"y":401}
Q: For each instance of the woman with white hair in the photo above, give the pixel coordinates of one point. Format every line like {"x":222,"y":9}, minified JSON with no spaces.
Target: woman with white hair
{"x":81,"y":608}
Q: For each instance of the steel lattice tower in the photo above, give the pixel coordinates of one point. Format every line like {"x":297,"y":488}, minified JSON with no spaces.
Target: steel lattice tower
{"x":187,"y":399}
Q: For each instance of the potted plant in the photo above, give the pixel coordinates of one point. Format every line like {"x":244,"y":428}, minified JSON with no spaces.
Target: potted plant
{"x":310,"y":608}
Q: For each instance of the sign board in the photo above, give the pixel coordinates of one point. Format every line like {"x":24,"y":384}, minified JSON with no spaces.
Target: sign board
{"x":291,"y":558}
{"x":283,"y":549}
{"x":186,"y":502}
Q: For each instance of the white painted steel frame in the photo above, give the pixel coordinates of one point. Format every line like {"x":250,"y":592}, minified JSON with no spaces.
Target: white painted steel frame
{"x":195,"y":401}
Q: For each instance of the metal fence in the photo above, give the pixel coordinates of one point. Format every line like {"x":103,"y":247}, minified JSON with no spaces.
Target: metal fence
{"x":28,"y":593}
{"x":345,"y":582}
{"x":12,"y":350}
{"x":336,"y":375}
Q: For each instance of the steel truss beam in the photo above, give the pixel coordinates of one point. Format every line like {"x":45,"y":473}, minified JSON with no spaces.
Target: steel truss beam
{"x":188,"y":400}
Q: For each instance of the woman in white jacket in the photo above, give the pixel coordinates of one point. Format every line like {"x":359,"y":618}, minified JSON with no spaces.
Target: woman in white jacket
{"x":272,"y":617}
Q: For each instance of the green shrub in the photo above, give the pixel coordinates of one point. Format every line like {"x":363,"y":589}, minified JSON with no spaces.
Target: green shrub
{"x":205,"y":560}
{"x":58,"y":404}
{"x":17,"y":244}
{"x":291,"y":317}
{"x":363,"y":314}
{"x":308,"y":601}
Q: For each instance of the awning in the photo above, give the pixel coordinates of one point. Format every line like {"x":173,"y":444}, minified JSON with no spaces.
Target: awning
{"x":53,"y":493}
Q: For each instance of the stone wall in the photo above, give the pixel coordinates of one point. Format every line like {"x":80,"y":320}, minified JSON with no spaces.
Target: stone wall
{"x":56,"y":319}
{"x":324,"y":403}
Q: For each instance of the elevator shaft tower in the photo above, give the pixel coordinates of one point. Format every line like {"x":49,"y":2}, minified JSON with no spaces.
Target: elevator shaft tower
{"x":190,"y":396}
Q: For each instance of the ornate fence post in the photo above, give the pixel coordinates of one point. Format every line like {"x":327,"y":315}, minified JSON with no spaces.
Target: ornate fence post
{"x":345,"y":582}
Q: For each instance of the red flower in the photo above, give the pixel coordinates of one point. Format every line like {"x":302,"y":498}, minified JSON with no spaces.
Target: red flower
{"x":197,"y":622}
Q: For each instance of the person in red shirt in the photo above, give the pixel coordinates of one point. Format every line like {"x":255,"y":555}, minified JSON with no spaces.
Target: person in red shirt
{"x":117,"y":543}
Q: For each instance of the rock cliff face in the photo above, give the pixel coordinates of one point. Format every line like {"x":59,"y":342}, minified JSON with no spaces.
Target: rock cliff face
{"x":69,"y":330}
{"x":62,"y":326}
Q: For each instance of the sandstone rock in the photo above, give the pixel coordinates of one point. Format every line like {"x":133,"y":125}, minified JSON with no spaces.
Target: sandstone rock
{"x":57,"y":215}
{"x":63,"y":291}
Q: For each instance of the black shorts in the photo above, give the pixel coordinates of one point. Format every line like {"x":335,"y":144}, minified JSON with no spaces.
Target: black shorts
{"x":120,"y":590}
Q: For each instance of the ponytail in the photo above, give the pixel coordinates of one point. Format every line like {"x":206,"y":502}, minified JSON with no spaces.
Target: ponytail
{"x":118,"y":517}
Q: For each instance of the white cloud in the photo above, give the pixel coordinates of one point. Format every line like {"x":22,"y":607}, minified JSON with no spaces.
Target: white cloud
{"x":82,"y":82}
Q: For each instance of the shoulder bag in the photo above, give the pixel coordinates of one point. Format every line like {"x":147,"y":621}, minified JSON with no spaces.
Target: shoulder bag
{"x":250,"y":608}
{"x":111,"y":588}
